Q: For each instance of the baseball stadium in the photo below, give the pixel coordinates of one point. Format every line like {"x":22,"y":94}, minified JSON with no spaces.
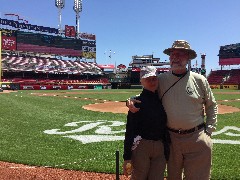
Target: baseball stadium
{"x":63,"y":115}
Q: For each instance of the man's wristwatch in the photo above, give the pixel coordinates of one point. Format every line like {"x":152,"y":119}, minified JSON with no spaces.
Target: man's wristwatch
{"x":208,"y":133}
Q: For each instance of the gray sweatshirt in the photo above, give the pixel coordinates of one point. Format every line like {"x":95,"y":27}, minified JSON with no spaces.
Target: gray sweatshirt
{"x":186,"y":101}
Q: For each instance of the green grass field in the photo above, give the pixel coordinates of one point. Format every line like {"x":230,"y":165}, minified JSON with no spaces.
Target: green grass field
{"x":56,"y":131}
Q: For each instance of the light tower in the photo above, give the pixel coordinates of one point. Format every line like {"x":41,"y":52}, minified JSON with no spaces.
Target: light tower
{"x":189,"y":65}
{"x":60,"y":5}
{"x":77,"y":8}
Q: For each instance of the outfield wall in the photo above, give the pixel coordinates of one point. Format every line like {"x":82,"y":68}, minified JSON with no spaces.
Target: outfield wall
{"x":64,"y":87}
{"x":18,"y":86}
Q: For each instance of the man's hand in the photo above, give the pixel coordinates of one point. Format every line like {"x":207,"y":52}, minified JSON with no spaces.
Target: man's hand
{"x":127,"y":167}
{"x":130,"y":104}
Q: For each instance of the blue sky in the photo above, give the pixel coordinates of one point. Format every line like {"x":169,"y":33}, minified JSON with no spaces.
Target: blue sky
{"x":142,"y":27}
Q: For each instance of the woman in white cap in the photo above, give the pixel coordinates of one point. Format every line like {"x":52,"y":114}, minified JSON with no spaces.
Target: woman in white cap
{"x":146,"y":138}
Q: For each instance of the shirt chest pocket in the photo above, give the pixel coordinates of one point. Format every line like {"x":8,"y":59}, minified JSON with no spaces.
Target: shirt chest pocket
{"x":194,"y":93}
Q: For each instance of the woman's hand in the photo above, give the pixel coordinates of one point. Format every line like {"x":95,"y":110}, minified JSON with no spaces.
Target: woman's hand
{"x":130,"y":104}
{"x":127,"y":168}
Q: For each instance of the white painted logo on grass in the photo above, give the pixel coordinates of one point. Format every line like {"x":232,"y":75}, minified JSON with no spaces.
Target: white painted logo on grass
{"x":226,"y":130}
{"x":103,"y":132}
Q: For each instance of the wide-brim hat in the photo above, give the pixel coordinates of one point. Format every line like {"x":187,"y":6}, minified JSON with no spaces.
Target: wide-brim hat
{"x":182,"y":45}
{"x":148,"y":71}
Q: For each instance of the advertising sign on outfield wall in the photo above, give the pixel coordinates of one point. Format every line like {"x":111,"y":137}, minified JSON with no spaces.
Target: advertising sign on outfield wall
{"x":230,"y":87}
{"x":214,"y":86}
{"x":54,"y":87}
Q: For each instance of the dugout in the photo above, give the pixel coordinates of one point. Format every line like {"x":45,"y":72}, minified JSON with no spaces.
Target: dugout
{"x":10,"y":86}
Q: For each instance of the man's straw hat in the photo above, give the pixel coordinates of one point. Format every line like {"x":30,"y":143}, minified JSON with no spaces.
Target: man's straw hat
{"x":183,"y":45}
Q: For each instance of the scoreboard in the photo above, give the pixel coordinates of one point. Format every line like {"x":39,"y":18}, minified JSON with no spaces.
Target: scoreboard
{"x":229,"y":54}
{"x":230,"y":51}
{"x":48,"y":40}
{"x":16,"y":40}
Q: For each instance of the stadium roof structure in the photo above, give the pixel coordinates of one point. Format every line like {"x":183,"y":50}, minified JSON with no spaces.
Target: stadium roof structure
{"x":146,"y":60}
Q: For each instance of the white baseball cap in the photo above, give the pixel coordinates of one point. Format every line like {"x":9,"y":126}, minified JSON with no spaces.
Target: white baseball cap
{"x":148,"y":71}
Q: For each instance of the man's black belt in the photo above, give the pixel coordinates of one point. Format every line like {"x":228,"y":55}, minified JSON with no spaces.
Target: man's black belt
{"x":181,"y":131}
